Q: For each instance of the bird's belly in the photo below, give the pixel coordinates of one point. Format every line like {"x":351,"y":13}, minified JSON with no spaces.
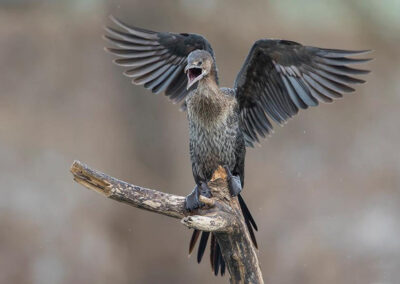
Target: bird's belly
{"x":211,"y":148}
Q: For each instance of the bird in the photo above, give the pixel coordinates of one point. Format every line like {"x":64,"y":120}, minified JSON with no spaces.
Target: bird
{"x":278,"y":78}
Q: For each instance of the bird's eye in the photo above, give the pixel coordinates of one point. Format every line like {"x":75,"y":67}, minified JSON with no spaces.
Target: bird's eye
{"x":199,"y":63}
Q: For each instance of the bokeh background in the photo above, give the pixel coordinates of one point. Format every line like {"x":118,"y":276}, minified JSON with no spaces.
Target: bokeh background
{"x":324,"y":188}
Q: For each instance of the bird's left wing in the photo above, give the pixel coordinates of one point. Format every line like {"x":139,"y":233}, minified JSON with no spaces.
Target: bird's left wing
{"x":155,"y":59}
{"x":280,"y":77}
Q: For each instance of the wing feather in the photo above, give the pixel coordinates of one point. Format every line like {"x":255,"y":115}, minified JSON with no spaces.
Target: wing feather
{"x":137,"y":62}
{"x":135,"y":31}
{"x":130,"y":45}
{"x":338,"y":87}
{"x":153,"y":74}
{"x":280,"y":77}
{"x":161,"y":79}
{"x":132,"y":38}
{"x":144,"y":69}
{"x":154,"y":59}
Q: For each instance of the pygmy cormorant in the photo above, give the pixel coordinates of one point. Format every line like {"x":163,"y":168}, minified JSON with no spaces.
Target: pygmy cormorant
{"x":278,"y":78}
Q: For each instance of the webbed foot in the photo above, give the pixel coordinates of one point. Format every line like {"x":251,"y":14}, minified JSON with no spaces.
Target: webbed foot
{"x":234,"y":184}
{"x":205,"y":190}
{"x":193,"y":201}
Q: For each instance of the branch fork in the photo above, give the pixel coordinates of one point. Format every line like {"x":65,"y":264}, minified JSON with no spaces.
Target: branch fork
{"x":221,"y":215}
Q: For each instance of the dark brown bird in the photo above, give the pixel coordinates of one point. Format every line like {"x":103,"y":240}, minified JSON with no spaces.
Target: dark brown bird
{"x":278,"y":78}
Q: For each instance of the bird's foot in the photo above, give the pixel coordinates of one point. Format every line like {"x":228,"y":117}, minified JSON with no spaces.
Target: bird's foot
{"x":192,"y":201}
{"x":234,"y":184}
{"x":205,"y":190}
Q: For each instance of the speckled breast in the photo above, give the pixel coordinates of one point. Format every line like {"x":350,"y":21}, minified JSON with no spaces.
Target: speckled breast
{"x":213,"y":144}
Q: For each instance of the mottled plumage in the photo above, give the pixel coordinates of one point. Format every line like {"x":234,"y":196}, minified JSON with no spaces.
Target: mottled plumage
{"x":215,"y":137}
{"x":278,"y":78}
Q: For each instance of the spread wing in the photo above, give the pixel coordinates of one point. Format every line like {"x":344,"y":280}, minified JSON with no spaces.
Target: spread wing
{"x":280,"y":77}
{"x":155,"y":59}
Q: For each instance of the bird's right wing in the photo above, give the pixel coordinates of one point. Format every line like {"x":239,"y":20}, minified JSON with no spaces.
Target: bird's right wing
{"x":155,"y":59}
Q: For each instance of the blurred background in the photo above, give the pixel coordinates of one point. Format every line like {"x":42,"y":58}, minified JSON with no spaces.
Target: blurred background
{"x":324,"y":189}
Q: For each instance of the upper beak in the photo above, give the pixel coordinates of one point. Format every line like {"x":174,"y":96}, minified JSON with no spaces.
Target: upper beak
{"x":188,"y":67}
{"x":192,"y":81}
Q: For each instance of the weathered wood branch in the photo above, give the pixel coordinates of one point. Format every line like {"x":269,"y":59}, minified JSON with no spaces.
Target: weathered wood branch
{"x":221,"y":215}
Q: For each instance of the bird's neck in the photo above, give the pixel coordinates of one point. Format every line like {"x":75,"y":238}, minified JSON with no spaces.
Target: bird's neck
{"x":207,"y":104}
{"x":208,"y":85}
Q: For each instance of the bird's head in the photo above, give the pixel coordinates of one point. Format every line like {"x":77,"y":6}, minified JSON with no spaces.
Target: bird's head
{"x":199,"y":66}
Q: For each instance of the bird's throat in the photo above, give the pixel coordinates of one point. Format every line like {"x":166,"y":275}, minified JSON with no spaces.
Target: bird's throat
{"x":206,"y":104}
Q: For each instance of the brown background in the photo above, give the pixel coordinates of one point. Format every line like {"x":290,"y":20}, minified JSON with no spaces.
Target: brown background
{"x":324,"y":188}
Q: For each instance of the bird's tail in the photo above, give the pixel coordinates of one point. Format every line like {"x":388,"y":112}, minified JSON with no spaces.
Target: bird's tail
{"x":216,"y":259}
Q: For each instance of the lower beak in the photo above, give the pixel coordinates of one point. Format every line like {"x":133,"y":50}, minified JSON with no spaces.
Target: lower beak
{"x":191,"y":82}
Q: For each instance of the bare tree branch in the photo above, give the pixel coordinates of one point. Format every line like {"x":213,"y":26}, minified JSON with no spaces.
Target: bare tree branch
{"x":221,"y":215}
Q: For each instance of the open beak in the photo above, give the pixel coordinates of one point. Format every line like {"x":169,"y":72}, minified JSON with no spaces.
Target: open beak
{"x":194,"y":74}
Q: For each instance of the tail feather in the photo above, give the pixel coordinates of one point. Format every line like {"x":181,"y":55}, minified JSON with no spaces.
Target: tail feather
{"x":212,"y":251}
{"x":216,"y":259}
{"x":202,"y":245}
{"x":252,"y":235}
{"x":222,"y":266}
{"x":246,"y":212}
{"x":193,"y":240}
